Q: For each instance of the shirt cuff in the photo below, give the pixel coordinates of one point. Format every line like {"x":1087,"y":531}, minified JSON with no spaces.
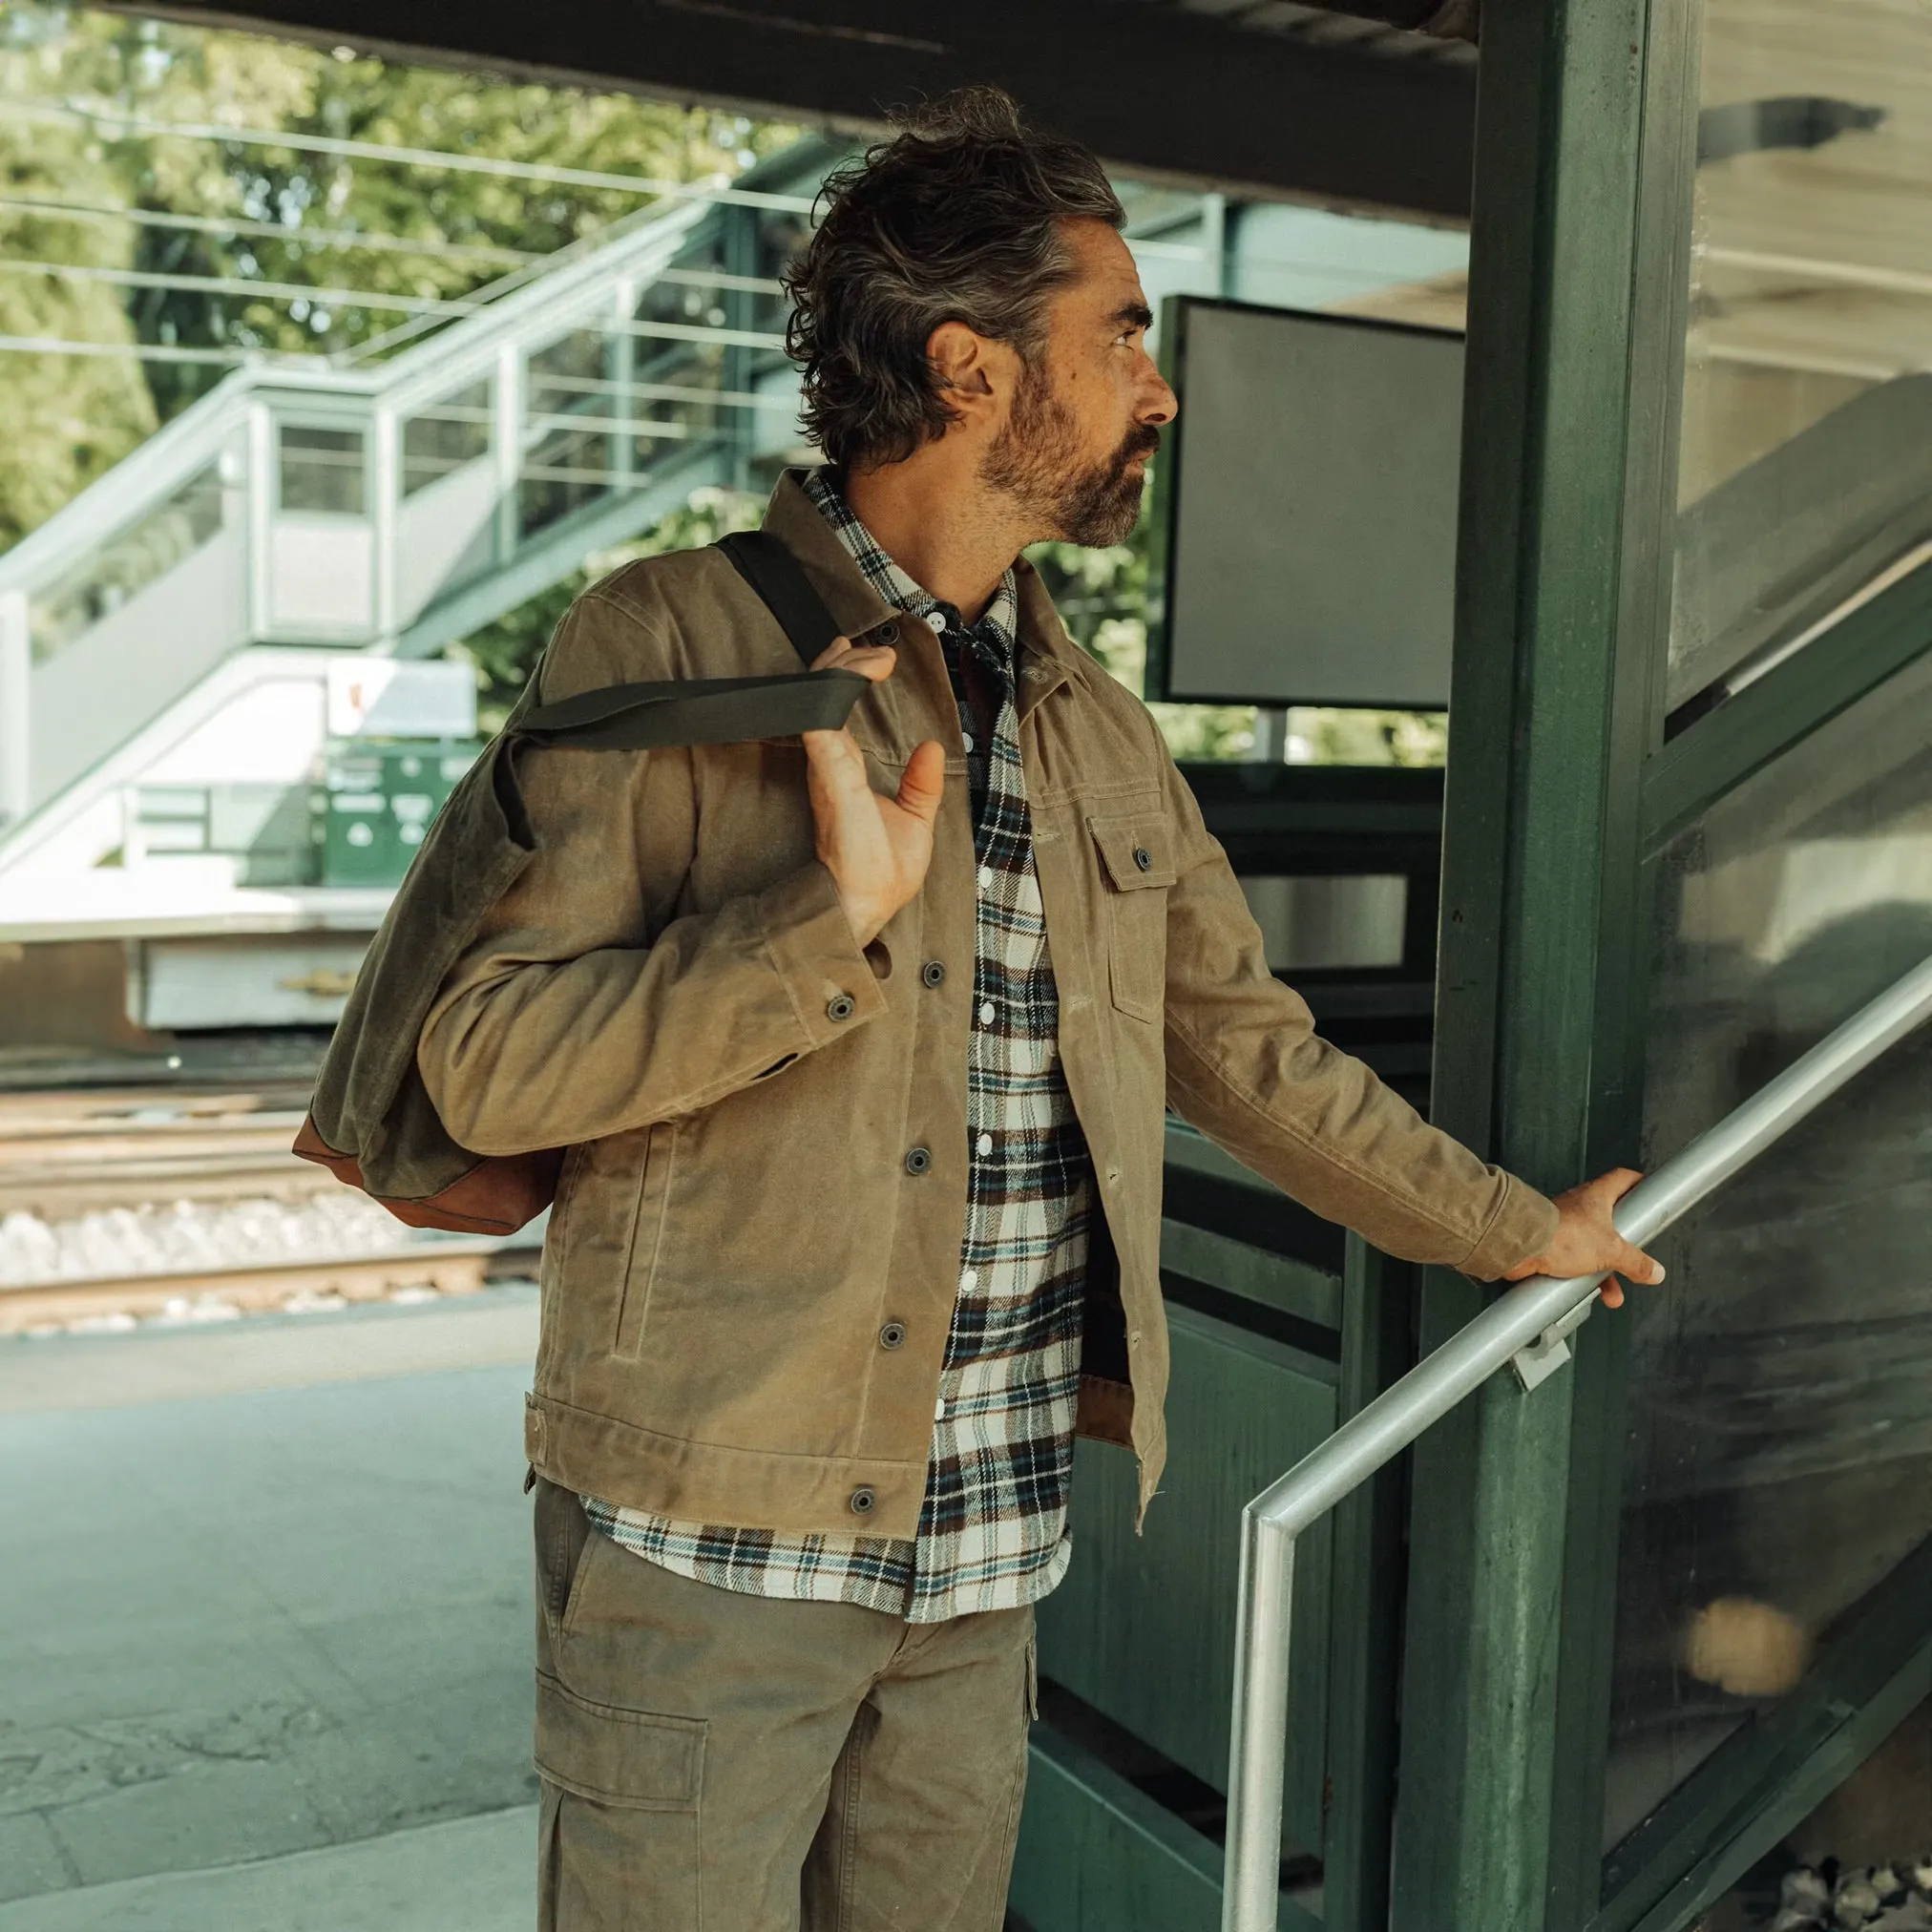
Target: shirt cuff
{"x":833,"y":985}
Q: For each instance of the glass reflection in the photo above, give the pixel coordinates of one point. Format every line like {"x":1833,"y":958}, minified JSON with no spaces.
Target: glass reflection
{"x":1806,"y":449}
{"x":128,"y":562}
{"x":1779,"y":1463}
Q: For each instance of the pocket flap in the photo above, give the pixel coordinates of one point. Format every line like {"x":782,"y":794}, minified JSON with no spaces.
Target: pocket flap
{"x":1136,"y":851}
{"x":633,"y":1759}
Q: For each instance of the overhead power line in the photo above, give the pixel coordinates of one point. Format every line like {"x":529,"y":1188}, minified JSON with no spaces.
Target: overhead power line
{"x":274,"y":231}
{"x":238,"y":285}
{"x":140,"y":351}
{"x":422,"y":157}
{"x":361,"y":298}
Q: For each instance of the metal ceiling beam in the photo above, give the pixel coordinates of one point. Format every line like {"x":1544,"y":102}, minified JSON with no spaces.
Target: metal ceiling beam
{"x":1156,"y":91}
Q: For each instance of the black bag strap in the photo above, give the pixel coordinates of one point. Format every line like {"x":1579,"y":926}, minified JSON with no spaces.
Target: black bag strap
{"x":716,"y":710}
{"x":771,"y":570}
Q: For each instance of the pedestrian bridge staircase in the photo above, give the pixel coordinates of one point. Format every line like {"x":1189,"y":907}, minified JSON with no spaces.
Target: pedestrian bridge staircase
{"x":394,"y":499}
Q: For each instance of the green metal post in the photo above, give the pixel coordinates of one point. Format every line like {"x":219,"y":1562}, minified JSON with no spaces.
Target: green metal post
{"x":1568,"y":451}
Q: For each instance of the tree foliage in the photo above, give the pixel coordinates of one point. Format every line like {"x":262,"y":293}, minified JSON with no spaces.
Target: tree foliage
{"x":87,"y":99}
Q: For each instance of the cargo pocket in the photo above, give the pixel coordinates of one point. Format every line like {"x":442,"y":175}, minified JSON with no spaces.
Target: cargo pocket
{"x":1137,"y":867}
{"x":635,"y":1760}
{"x":620,"y":1822}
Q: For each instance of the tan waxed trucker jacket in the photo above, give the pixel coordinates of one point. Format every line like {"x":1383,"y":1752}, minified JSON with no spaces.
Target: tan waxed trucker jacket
{"x":767,"y":1127}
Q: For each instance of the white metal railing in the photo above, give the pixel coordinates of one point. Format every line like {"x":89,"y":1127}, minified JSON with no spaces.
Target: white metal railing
{"x":360,"y":502}
{"x":1531,"y":1317}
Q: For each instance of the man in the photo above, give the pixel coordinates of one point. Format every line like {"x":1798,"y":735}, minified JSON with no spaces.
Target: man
{"x":861,"y":1048}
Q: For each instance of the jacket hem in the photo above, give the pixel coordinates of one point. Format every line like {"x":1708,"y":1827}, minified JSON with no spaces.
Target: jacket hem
{"x":636,"y":1468}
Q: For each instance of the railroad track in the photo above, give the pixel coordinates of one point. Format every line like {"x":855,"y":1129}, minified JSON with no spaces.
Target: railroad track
{"x":70,"y":1153}
{"x":457,"y":1265}
{"x":65,"y":1153}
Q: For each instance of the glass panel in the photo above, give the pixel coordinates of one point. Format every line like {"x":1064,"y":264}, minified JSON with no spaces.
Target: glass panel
{"x":322,"y":470}
{"x":128,"y":564}
{"x":569,"y":412}
{"x":1779,"y":1458}
{"x":1860,"y":1860}
{"x":1318,"y":923}
{"x":446,"y":436}
{"x":1806,"y":466}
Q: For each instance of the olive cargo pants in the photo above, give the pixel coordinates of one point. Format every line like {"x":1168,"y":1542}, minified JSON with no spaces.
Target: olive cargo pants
{"x":716,"y":1762}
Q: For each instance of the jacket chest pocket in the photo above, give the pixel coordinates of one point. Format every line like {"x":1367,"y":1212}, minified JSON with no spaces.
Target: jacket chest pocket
{"x":1135,"y":852}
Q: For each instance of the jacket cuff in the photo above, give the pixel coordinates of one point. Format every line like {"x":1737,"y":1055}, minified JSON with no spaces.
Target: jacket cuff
{"x":1523,"y":1224}
{"x":831,"y":984}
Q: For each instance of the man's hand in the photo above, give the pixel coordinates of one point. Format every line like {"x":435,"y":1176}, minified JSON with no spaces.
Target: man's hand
{"x":875,"y":847}
{"x":1586,"y":1239}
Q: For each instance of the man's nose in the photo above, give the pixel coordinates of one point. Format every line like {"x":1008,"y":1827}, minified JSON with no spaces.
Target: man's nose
{"x":1162,"y":404}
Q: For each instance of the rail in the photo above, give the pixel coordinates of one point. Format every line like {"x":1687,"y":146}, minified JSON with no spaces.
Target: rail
{"x":1528,"y":1323}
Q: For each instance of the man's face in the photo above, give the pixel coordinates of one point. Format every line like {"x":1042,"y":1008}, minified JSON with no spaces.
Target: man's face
{"x":1086,"y":415}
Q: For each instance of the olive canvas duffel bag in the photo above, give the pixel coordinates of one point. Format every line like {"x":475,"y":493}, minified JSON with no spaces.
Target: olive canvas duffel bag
{"x":370,"y":1121}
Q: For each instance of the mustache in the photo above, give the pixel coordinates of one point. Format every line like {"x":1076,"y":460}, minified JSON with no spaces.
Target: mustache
{"x":1144,"y":441}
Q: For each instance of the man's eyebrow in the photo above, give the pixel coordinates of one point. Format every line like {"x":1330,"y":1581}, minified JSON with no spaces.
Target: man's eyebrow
{"x":1136,"y":314}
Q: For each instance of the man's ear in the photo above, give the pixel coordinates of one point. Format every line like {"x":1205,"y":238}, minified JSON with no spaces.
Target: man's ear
{"x":969,"y":369}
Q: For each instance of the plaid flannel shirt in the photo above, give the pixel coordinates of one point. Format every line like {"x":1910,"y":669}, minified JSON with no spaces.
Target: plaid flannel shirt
{"x":992,"y":1530}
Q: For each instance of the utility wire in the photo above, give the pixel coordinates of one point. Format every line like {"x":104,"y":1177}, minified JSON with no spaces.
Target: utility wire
{"x":359,"y":298}
{"x":273,"y":231}
{"x":424,"y":158}
{"x":140,"y":351}
{"x":237,"y":284}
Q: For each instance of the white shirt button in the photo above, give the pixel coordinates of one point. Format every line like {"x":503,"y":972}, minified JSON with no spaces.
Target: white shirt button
{"x":936,"y":619}
{"x":966,"y":739}
{"x":939,"y":1410}
{"x":969,"y":1279}
{"x":986,"y":1013}
{"x":985,"y":877}
{"x":983,"y":1144}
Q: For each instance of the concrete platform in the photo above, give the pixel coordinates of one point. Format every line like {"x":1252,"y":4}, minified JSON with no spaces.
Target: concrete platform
{"x":265,"y":1659}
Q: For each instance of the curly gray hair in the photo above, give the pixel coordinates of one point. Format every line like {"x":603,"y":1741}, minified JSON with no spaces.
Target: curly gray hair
{"x":955,"y":220}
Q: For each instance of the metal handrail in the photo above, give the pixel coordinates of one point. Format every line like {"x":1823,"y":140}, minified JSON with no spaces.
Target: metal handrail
{"x":1513,"y":1322}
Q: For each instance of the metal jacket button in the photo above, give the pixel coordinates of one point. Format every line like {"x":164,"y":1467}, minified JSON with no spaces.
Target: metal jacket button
{"x":892,"y":1335}
{"x":887,"y":634}
{"x":843,"y":1007}
{"x":1142,"y":857}
{"x":918,"y":1160}
{"x":933,"y":973}
{"x":862,"y":1501}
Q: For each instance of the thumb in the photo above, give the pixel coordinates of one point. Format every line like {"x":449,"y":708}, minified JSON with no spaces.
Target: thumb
{"x":925,"y":779}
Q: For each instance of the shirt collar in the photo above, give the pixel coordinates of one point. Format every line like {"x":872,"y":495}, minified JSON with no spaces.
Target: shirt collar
{"x":1000,"y":621}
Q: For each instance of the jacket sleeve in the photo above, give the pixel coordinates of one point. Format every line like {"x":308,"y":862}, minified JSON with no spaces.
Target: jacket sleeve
{"x":1246,"y":1065}
{"x":584,"y":1008}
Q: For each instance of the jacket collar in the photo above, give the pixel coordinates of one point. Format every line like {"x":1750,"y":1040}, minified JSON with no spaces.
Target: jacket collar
{"x":1044,"y":648}
{"x":849,"y":595}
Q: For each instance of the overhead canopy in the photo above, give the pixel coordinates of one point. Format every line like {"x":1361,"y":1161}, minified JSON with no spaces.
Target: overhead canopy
{"x":1253,"y":95}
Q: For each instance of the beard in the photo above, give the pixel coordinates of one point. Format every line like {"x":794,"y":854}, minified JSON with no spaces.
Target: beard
{"x":1036,"y":459}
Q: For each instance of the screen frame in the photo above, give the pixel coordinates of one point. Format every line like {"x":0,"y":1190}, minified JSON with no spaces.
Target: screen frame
{"x":1165,"y":508}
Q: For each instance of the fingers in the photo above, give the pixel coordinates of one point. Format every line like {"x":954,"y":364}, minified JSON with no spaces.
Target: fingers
{"x":924,"y":781}
{"x":837,"y":765}
{"x":1634,"y":1265}
{"x":870,"y":660}
{"x":1628,"y":1260}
